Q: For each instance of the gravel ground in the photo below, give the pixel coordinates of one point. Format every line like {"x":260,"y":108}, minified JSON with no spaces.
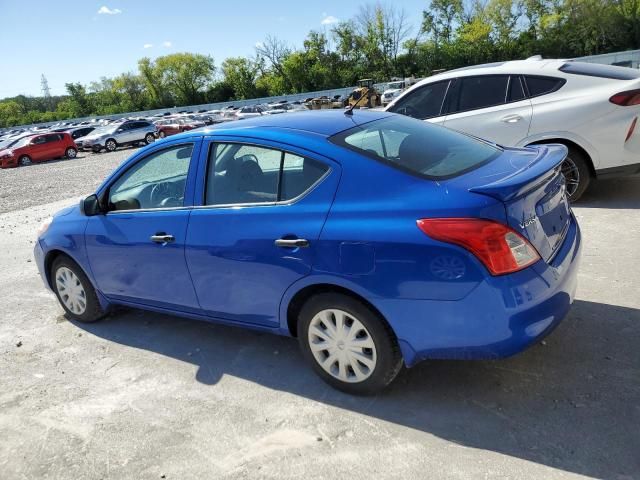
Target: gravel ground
{"x":48,"y":182}
{"x":147,"y":396}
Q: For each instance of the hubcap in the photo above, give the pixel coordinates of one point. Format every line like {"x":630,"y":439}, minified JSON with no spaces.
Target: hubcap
{"x":150,"y":138}
{"x":111,"y":145}
{"x":342,"y":346}
{"x":571,"y":176}
{"x":71,"y":291}
{"x":25,"y":161}
{"x":71,"y":153}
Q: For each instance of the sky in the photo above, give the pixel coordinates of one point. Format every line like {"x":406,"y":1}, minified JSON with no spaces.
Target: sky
{"x":81,"y":40}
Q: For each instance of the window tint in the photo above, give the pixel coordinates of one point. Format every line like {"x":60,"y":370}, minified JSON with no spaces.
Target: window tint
{"x":480,"y":92}
{"x":242,"y":174}
{"x":157,"y":181}
{"x":39,"y":140}
{"x":516,"y":92}
{"x":598,"y":70}
{"x":542,"y":85}
{"x":417,"y":147}
{"x":299,"y":174}
{"x":423,"y":102}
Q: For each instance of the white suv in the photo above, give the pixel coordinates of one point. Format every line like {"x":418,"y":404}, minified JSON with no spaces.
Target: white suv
{"x":592,"y":109}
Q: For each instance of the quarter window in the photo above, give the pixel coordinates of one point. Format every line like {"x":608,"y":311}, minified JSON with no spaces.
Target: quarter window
{"x":299,"y":174}
{"x":542,"y":85}
{"x":157,"y":181}
{"x":423,"y":102}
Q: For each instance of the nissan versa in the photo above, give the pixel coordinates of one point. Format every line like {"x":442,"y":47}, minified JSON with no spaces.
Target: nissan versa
{"x":376,"y":239}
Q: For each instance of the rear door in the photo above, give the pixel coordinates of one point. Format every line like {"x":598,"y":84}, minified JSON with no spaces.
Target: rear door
{"x":255,"y":234}
{"x":493,"y":107}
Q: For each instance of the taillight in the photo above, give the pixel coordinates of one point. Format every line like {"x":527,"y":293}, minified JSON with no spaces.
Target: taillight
{"x":500,"y":248}
{"x":626,"y":99}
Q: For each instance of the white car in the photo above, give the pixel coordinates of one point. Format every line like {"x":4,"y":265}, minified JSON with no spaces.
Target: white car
{"x":591,"y":108}
{"x":394,"y":89}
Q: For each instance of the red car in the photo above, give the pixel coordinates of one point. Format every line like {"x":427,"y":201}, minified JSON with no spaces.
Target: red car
{"x":38,"y":148}
{"x":173,"y":126}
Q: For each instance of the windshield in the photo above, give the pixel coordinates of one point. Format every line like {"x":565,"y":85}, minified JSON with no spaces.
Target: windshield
{"x":417,"y":147}
{"x":105,"y":129}
{"x":395,"y":85}
{"x":15,"y":142}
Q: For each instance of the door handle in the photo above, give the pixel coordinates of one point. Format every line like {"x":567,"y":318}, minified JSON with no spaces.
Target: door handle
{"x":162,"y":238}
{"x":291,"y":242}
{"x":511,"y":118}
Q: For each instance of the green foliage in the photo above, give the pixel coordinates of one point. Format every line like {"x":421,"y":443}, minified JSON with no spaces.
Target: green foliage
{"x":377,"y":42}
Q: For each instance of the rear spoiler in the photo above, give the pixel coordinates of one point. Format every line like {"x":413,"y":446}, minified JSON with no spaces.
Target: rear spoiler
{"x":539,"y":171}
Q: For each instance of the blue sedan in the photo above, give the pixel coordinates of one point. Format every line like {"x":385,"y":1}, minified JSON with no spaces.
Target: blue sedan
{"x":375,"y":239}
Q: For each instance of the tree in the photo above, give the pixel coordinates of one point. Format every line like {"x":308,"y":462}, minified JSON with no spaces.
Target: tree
{"x":185,"y":75}
{"x":240,"y":74}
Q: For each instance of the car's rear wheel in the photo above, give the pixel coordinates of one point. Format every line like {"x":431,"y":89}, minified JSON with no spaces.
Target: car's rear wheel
{"x":24,"y":160}
{"x":96,"y":149}
{"x":71,"y":153}
{"x":149,"y":138}
{"x":162,"y":134}
{"x":348,"y":344}
{"x":576,"y":174}
{"x":110,"y":145}
{"x":74,"y":291}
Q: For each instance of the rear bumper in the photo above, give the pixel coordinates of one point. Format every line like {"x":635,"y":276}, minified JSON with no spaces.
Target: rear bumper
{"x":502,"y":316}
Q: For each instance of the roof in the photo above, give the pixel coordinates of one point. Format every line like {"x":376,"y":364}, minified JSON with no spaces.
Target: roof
{"x":320,"y":122}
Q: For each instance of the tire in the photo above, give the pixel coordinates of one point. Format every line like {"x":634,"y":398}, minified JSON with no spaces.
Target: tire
{"x":577,"y":174}
{"x":79,"y":288}
{"x":110,"y":145}
{"x":162,"y":134}
{"x":24,"y":161}
{"x":71,"y":153}
{"x":380,"y":363}
{"x":96,"y":149}
{"x":149,"y":138}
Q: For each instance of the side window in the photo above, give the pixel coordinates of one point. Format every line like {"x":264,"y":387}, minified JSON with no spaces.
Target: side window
{"x":424,"y":102}
{"x":242,"y":174}
{"x":542,"y":85}
{"x":516,"y":92}
{"x":299,"y":174}
{"x":157,"y":181}
{"x":480,"y":92}
{"x":38,"y":140}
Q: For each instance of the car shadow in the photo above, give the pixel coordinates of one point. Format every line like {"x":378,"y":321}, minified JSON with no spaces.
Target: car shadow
{"x":570,"y":403}
{"x":621,"y":193}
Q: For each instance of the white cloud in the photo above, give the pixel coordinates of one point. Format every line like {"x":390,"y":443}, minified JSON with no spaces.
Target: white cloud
{"x":167,"y":44}
{"x":328,"y":20}
{"x":109,"y":11}
{"x":147,"y":45}
{"x":259,"y":45}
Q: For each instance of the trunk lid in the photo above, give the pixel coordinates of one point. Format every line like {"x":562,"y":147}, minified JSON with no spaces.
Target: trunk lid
{"x":530,"y":184}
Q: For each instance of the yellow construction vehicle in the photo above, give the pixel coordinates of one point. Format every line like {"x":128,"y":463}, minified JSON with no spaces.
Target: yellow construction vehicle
{"x":365,"y":89}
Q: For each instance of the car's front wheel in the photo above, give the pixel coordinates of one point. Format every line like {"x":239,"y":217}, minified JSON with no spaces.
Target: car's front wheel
{"x":348,"y":344}
{"x":149,"y":138}
{"x":24,"y":160}
{"x":74,"y":291}
{"x":162,"y":134}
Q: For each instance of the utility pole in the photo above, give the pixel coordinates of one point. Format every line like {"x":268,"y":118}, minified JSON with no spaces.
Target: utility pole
{"x":46,"y":93}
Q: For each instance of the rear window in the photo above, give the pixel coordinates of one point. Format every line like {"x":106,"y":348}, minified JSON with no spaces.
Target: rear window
{"x":542,"y":85}
{"x":599,"y":70}
{"x":416,"y":147}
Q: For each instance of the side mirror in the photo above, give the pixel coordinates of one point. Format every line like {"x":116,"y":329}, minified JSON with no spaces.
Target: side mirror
{"x":120,"y":130}
{"x":90,"y":206}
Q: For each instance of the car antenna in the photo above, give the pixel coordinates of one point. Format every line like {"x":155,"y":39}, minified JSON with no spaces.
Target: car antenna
{"x":349,"y":111}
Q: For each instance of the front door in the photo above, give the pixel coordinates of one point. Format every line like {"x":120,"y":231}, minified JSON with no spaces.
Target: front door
{"x":257,"y":229}
{"x":136,"y":250}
